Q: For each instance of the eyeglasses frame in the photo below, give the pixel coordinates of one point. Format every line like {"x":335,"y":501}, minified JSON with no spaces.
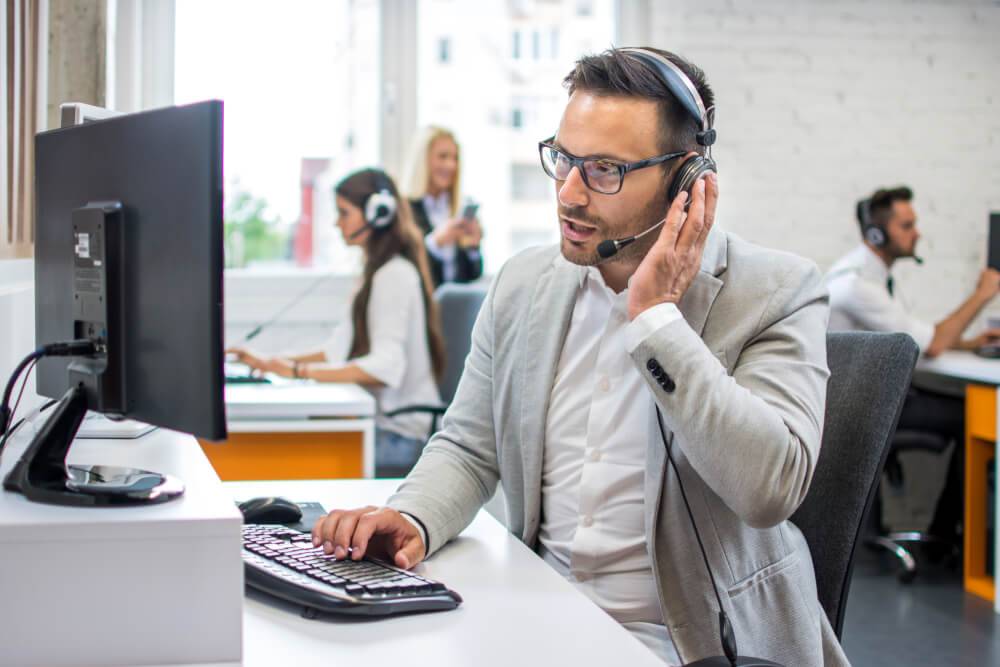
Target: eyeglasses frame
{"x":623,"y":167}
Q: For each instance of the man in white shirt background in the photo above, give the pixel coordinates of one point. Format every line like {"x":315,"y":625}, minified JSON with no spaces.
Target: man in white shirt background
{"x":864,"y":296}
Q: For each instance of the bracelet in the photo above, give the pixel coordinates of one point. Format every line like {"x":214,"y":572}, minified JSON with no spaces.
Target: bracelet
{"x":295,"y":370}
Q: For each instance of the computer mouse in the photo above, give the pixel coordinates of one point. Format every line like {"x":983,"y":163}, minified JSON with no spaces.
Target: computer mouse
{"x":270,"y":509}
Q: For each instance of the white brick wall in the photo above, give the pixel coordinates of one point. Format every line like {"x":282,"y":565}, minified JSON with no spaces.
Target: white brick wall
{"x":820,"y":102}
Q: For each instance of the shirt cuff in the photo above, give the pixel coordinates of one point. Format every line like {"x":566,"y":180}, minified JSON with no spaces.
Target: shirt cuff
{"x":419,"y":526}
{"x":444,"y":254}
{"x":649,"y":321}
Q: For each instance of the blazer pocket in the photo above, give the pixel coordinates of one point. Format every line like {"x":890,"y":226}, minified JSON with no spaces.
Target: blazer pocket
{"x":762,"y":575}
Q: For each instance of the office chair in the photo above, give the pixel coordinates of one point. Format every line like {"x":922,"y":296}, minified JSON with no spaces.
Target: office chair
{"x":869,"y":376}
{"x":459,"y":305}
{"x":894,"y":541}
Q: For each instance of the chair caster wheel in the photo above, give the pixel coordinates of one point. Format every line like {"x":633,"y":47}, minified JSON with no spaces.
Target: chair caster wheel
{"x":907,"y":576}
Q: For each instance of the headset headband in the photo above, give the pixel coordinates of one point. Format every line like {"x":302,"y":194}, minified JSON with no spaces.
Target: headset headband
{"x":683,"y":89}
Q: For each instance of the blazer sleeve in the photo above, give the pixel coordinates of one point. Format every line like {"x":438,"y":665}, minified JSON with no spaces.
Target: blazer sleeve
{"x":752,"y":436}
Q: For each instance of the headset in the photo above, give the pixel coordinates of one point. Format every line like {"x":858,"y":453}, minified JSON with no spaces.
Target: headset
{"x":871,"y":232}
{"x":684,"y":90}
{"x":380,"y":206}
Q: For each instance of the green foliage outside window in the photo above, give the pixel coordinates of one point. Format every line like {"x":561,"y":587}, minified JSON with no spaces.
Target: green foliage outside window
{"x":250,"y":235}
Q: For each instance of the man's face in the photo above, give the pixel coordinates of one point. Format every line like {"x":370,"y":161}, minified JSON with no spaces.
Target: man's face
{"x":623,"y":130}
{"x":902,"y":230}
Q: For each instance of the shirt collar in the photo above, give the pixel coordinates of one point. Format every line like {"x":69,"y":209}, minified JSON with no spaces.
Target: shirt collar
{"x":873,"y":265}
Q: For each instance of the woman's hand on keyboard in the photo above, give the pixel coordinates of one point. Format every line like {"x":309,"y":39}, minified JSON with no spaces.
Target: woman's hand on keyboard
{"x":378,"y":532}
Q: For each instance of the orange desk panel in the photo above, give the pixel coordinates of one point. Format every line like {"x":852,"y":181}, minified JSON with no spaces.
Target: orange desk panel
{"x":290,"y":455}
{"x":980,"y":447}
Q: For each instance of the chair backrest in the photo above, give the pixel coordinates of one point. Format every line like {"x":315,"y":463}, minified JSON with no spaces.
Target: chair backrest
{"x":459,"y":305}
{"x":869,"y":376}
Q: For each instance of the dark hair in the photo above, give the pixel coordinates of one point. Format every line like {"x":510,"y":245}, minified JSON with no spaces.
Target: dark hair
{"x":878,"y":207}
{"x":615,"y":72}
{"x":400,"y":236}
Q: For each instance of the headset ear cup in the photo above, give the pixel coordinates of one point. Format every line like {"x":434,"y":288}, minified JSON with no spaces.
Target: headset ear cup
{"x":875,"y":236}
{"x":687,"y":175}
{"x":380,"y":209}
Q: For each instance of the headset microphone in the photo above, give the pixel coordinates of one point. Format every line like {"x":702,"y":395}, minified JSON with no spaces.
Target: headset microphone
{"x":610,"y":247}
{"x":355,"y":234}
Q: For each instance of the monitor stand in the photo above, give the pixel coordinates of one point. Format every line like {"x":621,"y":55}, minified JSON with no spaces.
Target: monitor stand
{"x":42,"y":474}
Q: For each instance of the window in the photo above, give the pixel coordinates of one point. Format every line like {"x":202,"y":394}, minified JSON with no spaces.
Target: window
{"x":499,"y":112}
{"x":529,"y":182}
{"x":300,"y":87}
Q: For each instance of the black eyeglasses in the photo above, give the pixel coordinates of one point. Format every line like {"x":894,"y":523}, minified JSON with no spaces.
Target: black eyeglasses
{"x":604,"y":176}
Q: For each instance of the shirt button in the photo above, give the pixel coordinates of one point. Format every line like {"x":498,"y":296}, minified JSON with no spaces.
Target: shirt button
{"x":622,"y":317}
{"x":588,"y":521}
{"x":604,"y":384}
{"x":595,"y":455}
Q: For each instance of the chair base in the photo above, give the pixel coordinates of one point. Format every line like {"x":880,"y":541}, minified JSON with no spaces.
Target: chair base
{"x":891,"y":542}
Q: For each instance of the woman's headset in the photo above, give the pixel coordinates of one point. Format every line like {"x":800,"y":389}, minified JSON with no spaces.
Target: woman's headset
{"x":678,"y":83}
{"x":380,"y":206}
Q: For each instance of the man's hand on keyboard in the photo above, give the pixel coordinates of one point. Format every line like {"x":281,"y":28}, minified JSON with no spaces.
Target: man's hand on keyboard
{"x":379,"y":532}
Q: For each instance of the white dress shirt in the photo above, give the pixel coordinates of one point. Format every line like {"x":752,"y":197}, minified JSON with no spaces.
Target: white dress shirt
{"x":860,"y":299}
{"x":438,"y":213}
{"x":600,"y":423}
{"x":399,"y":354}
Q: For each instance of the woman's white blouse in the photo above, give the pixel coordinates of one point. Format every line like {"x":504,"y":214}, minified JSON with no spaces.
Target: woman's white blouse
{"x":399,"y":354}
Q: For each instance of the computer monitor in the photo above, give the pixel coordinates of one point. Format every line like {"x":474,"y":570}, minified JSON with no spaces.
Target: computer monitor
{"x":128,"y":254}
{"x":993,"y":250}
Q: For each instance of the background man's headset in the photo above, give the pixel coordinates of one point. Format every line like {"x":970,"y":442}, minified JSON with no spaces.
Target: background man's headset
{"x":694,"y":167}
{"x":871,"y":232}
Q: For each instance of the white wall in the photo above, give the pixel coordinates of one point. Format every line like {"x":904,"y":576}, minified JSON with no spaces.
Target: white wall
{"x":17,"y":324}
{"x":820,"y":102}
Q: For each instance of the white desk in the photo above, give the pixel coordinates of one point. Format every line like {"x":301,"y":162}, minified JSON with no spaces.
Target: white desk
{"x":115,"y":585}
{"x":982,"y":407}
{"x":516,"y":611}
{"x":296,"y":429}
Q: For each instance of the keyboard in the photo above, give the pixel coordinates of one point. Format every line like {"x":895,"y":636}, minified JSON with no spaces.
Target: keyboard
{"x":284,"y":563}
{"x":246,"y":379}
{"x":989,"y":350}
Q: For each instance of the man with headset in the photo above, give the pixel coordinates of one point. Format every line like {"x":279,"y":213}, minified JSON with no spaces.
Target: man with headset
{"x":595,"y":363}
{"x":863,"y":296}
{"x":862,"y":291}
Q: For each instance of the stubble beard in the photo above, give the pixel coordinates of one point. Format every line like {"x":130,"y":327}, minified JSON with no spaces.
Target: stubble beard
{"x":653,"y":212}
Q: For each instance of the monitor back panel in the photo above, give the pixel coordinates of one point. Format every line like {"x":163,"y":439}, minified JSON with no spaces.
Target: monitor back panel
{"x":165,"y":167}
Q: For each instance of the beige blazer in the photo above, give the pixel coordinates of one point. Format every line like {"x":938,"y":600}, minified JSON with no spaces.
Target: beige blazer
{"x":748,"y":365}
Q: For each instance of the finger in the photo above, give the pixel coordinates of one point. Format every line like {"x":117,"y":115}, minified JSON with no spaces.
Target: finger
{"x":711,"y":201}
{"x":317,"y":531}
{"x":343,"y":537}
{"x":324,"y":530}
{"x":367,"y":527}
{"x":411,"y":553}
{"x":691,"y":231}
{"x":667,"y":237}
